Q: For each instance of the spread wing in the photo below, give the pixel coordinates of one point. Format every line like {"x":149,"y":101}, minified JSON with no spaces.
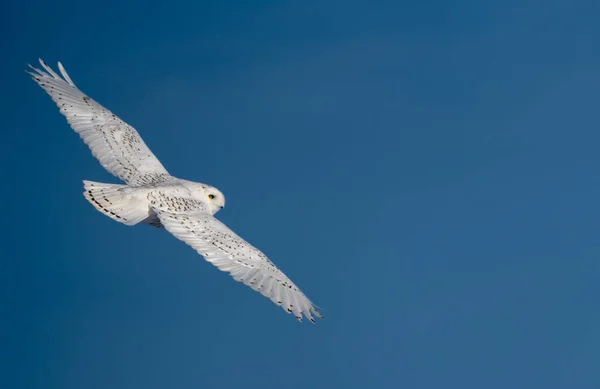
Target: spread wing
{"x":116,"y":144}
{"x":227,"y":251}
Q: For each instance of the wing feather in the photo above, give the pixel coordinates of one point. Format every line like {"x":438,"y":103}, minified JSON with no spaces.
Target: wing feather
{"x":116,"y":144}
{"x":245,"y":263}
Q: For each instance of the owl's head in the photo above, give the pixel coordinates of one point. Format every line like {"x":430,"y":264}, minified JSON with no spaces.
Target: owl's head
{"x":214,"y":198}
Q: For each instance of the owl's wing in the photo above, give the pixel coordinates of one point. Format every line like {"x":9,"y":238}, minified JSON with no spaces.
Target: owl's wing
{"x":116,"y":144}
{"x":227,"y":251}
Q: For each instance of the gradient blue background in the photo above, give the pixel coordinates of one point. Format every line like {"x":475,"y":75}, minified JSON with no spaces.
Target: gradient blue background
{"x":426,"y":171}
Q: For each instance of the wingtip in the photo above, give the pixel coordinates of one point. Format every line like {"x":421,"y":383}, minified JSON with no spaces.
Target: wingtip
{"x":48,"y":72}
{"x":312,"y":311}
{"x":318,"y":314}
{"x":48,"y":68}
{"x":37,"y":71}
{"x":65,"y":74}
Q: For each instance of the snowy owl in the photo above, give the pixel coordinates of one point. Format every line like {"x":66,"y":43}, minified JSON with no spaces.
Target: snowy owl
{"x":152,"y":196}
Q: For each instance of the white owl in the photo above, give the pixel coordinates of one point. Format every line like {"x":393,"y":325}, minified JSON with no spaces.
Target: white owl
{"x":152,"y":196}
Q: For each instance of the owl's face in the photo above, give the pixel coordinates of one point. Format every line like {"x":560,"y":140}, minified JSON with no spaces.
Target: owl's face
{"x":214,"y":198}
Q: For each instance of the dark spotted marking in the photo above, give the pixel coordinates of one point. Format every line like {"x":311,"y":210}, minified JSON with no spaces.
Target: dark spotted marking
{"x":102,"y":207}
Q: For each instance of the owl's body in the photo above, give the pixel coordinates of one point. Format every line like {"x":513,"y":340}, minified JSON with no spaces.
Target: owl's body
{"x":152,"y":196}
{"x":132,"y":205}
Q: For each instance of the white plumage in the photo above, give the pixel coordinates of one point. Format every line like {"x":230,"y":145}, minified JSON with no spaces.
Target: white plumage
{"x":152,"y":196}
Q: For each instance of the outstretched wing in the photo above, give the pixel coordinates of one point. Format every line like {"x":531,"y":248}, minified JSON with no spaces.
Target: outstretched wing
{"x":116,"y":144}
{"x":227,"y":251}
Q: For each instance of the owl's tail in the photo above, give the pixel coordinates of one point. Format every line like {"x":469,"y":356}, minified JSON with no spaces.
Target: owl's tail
{"x":119,"y":202}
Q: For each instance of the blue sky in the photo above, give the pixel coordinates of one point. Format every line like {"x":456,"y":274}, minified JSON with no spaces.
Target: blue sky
{"x":427,"y":172}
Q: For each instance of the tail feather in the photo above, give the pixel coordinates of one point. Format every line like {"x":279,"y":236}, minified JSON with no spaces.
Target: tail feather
{"x":118,"y":202}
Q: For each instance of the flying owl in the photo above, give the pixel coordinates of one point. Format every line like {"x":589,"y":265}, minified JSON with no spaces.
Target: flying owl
{"x":152,"y":196}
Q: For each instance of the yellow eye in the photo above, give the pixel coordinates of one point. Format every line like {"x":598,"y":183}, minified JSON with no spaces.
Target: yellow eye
{"x":211,"y":196}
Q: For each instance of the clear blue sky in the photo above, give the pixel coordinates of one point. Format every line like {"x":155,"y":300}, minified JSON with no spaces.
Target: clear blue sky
{"x":427,"y":171}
